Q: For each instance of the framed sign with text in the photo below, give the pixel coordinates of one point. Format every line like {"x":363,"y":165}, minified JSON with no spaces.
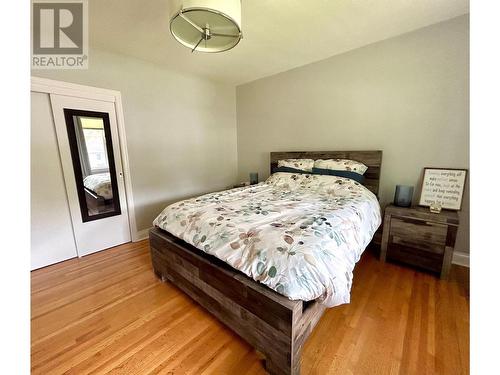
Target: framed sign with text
{"x":444,"y":186}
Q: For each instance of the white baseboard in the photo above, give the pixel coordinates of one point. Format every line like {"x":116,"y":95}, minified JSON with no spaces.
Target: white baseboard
{"x":141,"y":235}
{"x":460,"y":258}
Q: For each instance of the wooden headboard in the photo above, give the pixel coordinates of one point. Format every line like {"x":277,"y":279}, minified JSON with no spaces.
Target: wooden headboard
{"x":372,"y":159}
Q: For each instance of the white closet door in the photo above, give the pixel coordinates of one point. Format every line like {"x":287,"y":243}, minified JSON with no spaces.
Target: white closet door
{"x":90,"y":155}
{"x":52,"y":238}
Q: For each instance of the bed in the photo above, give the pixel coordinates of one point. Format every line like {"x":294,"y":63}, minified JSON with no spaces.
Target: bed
{"x":98,"y":191}
{"x":267,"y":260}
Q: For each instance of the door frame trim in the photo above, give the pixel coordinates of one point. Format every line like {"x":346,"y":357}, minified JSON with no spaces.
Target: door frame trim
{"x":50,"y":86}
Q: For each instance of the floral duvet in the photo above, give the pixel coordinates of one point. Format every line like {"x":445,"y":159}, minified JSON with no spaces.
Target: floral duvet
{"x":299,"y":234}
{"x":99,"y":183}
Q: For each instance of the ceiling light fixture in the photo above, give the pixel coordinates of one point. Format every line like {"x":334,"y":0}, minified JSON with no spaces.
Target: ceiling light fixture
{"x":206,"y":25}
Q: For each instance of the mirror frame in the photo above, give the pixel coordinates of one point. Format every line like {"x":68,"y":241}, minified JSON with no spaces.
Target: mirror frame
{"x":77,"y":168}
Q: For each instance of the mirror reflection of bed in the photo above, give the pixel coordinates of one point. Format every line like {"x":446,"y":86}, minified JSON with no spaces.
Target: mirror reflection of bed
{"x":98,"y":193}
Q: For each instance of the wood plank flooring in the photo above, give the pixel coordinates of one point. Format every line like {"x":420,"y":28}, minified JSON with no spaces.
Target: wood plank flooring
{"x":107,"y":313}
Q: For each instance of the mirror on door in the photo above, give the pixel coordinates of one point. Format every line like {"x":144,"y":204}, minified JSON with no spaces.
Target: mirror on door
{"x":89,"y":135}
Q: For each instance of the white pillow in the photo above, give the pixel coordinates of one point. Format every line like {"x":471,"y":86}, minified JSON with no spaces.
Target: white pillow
{"x":341,"y":165}
{"x":302,"y":164}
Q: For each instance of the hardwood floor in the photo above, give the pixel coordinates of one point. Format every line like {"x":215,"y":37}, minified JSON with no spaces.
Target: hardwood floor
{"x":107,"y":313}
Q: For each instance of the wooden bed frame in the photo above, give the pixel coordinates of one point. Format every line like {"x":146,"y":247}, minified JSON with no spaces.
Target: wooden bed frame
{"x":94,"y":201}
{"x":274,"y":325}
{"x":97,"y":203}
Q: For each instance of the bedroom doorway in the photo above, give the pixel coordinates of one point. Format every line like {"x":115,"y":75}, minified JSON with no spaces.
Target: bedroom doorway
{"x":89,"y":148}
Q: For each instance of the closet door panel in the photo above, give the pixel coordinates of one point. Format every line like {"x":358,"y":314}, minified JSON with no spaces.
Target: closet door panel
{"x":86,"y":129}
{"x":52,"y":237}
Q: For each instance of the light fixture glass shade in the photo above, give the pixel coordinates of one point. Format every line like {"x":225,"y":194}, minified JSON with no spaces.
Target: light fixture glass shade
{"x":206,"y":25}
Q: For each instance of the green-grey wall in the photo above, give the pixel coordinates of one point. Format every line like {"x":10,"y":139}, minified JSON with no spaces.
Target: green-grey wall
{"x":407,"y":96}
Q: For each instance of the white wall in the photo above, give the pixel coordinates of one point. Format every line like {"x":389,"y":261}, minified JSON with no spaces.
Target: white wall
{"x":407,"y":96}
{"x":181,"y":130}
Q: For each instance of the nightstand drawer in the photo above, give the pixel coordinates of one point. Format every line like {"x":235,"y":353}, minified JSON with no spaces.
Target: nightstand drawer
{"x":421,"y":259}
{"x":418,"y":234}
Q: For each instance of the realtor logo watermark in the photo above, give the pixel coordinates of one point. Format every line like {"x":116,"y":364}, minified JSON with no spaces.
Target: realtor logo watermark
{"x":59,"y":36}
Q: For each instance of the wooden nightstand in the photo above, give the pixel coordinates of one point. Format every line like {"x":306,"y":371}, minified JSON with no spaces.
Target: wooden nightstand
{"x":418,"y":237}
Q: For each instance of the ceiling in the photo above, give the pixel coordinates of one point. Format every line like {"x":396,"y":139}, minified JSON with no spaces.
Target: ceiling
{"x":278,"y":35}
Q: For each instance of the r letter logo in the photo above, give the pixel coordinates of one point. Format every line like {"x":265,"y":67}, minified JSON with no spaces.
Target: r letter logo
{"x":60,"y":34}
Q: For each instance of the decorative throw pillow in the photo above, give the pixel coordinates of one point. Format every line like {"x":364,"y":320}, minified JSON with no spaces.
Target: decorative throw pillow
{"x":302,"y":164}
{"x":347,"y":174}
{"x":341,"y":165}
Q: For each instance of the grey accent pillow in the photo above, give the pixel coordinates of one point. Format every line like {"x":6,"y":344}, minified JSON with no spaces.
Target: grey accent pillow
{"x":290,"y":170}
{"x":347,"y":174}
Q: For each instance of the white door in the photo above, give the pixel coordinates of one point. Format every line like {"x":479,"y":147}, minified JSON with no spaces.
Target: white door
{"x":52,"y":238}
{"x":88,"y":141}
